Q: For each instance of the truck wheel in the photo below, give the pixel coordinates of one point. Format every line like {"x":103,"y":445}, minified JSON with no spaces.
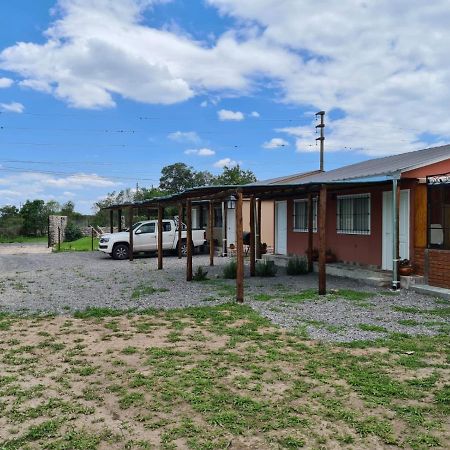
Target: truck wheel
{"x":183,"y":248}
{"x":120,"y":251}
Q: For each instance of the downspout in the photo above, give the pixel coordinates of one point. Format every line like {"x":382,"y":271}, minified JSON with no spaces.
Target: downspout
{"x":395,"y":220}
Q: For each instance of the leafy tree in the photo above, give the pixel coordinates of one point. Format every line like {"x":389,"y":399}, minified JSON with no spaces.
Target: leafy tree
{"x":177,"y":178}
{"x":10,"y":221}
{"x":235,"y":176}
{"x":203,"y":178}
{"x":34,"y":215}
{"x":68,"y":209}
{"x":73,"y":232}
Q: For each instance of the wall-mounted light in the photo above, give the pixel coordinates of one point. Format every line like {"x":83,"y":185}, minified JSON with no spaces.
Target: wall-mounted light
{"x":231,"y":202}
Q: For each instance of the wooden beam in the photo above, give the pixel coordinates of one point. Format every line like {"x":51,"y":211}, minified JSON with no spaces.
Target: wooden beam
{"x":130,"y":230}
{"x":189,"y":240}
{"x":239,"y":250}
{"x":211,"y":233}
{"x":258,"y":229}
{"x":180,"y":228}
{"x":252,"y":237}
{"x":160,"y":237}
{"x":119,"y":220}
{"x":111,"y":221}
{"x":322,"y":240}
{"x":310,"y":233}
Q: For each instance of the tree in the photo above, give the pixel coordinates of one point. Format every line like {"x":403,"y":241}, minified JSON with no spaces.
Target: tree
{"x":10,"y":221}
{"x":34,"y":217}
{"x":68,"y":208}
{"x":177,"y":178}
{"x":235,"y":176}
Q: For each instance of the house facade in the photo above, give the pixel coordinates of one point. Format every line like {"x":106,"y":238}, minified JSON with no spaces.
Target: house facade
{"x":359,"y":225}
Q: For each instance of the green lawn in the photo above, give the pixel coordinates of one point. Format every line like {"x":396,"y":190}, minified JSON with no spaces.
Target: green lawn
{"x":80,"y":245}
{"x":23,"y":239}
{"x":214,"y":378}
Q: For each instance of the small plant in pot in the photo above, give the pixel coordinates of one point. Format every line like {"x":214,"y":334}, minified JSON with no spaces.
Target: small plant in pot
{"x":405,"y":267}
{"x":330,"y":257}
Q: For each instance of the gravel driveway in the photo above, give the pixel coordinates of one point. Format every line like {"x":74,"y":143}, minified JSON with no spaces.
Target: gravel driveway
{"x":60,"y":283}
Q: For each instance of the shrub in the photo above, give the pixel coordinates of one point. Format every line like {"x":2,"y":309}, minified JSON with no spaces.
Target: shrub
{"x":230,"y":269}
{"x":200,"y":274}
{"x":72,"y":233}
{"x":297,"y":266}
{"x":266,"y":269}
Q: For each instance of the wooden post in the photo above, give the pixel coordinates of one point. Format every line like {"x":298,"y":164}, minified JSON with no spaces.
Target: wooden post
{"x":211,"y":233}
{"x":59,"y":238}
{"x":180,"y":228}
{"x":189,"y":240}
{"x":160,"y":237}
{"x":258,"y":230}
{"x":130,"y":229}
{"x":322,"y":240}
{"x":252,"y":237}
{"x":239,"y":250}
{"x":225,"y":228}
{"x":111,"y":221}
{"x":310,"y":233}
{"x":119,"y":220}
{"x":92,"y":238}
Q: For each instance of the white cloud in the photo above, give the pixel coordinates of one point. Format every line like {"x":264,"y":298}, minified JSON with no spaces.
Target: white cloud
{"x":254,"y":114}
{"x":200,"y":152}
{"x":37,"y":85}
{"x":275,"y":143}
{"x":14,"y":107}
{"x":204,"y":104}
{"x":225,"y":114}
{"x":5,"y":82}
{"x":225,"y":162}
{"x":184,"y":136}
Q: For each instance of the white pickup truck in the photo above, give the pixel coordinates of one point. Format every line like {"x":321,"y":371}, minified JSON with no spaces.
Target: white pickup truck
{"x":145,"y":239}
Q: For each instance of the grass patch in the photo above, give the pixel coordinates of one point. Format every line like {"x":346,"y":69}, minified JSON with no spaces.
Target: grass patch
{"x":369,"y":327}
{"x":83,"y":244}
{"x":146,"y":289}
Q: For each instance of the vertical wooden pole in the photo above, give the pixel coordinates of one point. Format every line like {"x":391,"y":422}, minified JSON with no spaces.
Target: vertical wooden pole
{"x":252,"y":237}
{"x":310,"y":233}
{"x":59,"y":238}
{"x":119,"y":219}
{"x":180,"y":228}
{"x":225,"y":228}
{"x":258,"y":230}
{"x":160,"y":237}
{"x":322,"y":240}
{"x":92,"y":238}
{"x":239,"y":250}
{"x":189,"y":240}
{"x":211,"y":233}
{"x":130,"y":228}
{"x":111,"y":221}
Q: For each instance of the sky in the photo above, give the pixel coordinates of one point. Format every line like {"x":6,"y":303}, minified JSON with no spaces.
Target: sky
{"x":98,"y":95}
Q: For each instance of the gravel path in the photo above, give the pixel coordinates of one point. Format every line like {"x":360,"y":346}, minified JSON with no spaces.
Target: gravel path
{"x":60,"y":283}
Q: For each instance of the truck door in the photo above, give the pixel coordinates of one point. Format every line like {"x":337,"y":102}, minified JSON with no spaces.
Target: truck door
{"x":145,"y":238}
{"x":168,"y":235}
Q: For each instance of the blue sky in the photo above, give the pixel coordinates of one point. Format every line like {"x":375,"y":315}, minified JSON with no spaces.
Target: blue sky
{"x":98,"y":95}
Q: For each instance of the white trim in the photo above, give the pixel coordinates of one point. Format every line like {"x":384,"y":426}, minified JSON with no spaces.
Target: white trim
{"x":315,"y":205}
{"x":348,"y":196}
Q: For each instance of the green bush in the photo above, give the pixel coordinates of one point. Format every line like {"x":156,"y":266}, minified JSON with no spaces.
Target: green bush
{"x":200,"y":274}
{"x":266,"y":269}
{"x":72,"y":233}
{"x":230,"y":270}
{"x":297,"y":266}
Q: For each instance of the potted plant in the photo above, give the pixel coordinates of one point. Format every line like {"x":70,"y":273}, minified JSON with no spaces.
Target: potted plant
{"x":405,"y":267}
{"x":330,"y":257}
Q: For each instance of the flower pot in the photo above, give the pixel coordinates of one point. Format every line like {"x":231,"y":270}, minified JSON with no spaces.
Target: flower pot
{"x":405,"y":270}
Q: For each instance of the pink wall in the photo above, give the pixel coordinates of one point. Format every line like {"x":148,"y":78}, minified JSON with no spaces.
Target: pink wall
{"x":433,"y":169}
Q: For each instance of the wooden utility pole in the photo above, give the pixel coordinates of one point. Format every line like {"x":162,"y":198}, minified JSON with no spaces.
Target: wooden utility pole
{"x":160,"y":237}
{"x":130,"y":229}
{"x":211,"y":233}
{"x":189,"y":240}
{"x":111,"y":221}
{"x":252,"y":236}
{"x":322,"y":240}
{"x":321,"y":125}
{"x":180,"y":228}
{"x":239,"y":250}
{"x":310,"y":233}
{"x":258,"y":230}
{"x":119,"y":220}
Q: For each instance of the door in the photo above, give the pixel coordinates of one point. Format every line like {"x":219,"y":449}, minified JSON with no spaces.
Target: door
{"x":281,"y":228}
{"x":404,"y":227}
{"x":144,"y":239}
{"x":168,"y":235}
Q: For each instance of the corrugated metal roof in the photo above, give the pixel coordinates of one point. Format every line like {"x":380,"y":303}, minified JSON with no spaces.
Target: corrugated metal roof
{"x":289,"y":179}
{"x":387,"y":166}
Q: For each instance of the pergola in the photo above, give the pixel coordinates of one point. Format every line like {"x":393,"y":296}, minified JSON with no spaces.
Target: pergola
{"x":255,"y":193}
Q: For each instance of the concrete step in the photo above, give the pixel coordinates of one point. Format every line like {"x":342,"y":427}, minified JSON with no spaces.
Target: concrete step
{"x":432,"y":290}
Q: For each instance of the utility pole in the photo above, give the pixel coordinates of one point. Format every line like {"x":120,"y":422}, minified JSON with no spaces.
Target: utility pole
{"x":321,"y":125}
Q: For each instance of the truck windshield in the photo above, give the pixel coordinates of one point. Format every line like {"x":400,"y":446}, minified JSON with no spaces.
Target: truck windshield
{"x":135,"y":225}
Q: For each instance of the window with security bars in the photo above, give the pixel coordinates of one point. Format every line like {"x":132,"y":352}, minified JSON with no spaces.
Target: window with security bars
{"x":301,"y":215}
{"x":439,"y":216}
{"x":353,"y":214}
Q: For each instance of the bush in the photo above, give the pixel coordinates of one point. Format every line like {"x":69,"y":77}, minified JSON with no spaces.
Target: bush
{"x":200,"y":274}
{"x":72,"y":233}
{"x":230,"y":270}
{"x":297,"y":266}
{"x":266,"y":269}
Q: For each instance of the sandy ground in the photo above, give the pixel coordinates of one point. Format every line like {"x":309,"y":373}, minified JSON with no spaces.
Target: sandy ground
{"x":23,"y":249}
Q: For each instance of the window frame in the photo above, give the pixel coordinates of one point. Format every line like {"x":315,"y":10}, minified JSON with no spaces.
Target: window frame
{"x":315,"y":202}
{"x":367,"y":232}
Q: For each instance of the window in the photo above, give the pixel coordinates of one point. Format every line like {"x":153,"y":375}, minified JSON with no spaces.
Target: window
{"x":166,"y":226}
{"x":147,"y":228}
{"x":218,"y":217}
{"x":301,"y":215}
{"x":439,"y":216}
{"x":353,"y":214}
